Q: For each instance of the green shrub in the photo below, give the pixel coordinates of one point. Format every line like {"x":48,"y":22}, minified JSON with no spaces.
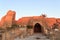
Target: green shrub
{"x":29,"y":27}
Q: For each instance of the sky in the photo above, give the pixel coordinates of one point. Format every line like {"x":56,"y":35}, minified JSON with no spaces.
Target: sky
{"x":30,"y":7}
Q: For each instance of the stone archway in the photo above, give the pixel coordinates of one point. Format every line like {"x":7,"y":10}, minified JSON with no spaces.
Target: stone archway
{"x":0,"y":36}
{"x":37,"y":28}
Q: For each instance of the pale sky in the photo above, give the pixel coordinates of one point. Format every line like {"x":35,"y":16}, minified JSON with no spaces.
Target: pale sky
{"x":30,"y":7}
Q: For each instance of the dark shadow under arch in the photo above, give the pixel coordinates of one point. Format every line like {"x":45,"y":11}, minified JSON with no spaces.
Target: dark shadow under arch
{"x":37,"y":28}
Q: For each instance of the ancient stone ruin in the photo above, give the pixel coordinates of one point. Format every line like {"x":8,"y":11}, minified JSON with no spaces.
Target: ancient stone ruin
{"x":11,"y":28}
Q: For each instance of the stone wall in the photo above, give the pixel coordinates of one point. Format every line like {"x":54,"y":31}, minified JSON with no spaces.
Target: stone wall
{"x":8,"y":19}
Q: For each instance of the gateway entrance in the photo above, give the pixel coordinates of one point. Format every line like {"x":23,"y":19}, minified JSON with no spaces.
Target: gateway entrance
{"x":37,"y":28}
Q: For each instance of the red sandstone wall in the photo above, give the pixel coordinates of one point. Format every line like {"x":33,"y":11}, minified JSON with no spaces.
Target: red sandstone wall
{"x":8,"y":19}
{"x":50,"y":21}
{"x":23,"y":20}
{"x":3,"y":21}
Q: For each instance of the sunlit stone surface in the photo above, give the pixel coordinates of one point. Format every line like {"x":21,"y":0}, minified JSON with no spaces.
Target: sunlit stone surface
{"x":37,"y":36}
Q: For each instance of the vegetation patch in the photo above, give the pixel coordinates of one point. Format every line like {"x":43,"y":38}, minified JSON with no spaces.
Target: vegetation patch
{"x":29,"y":27}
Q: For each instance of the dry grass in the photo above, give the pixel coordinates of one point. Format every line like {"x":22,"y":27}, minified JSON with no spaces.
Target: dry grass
{"x":55,"y":35}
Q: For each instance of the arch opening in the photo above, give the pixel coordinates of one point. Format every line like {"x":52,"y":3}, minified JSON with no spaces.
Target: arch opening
{"x":0,"y":36}
{"x":37,"y":28}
